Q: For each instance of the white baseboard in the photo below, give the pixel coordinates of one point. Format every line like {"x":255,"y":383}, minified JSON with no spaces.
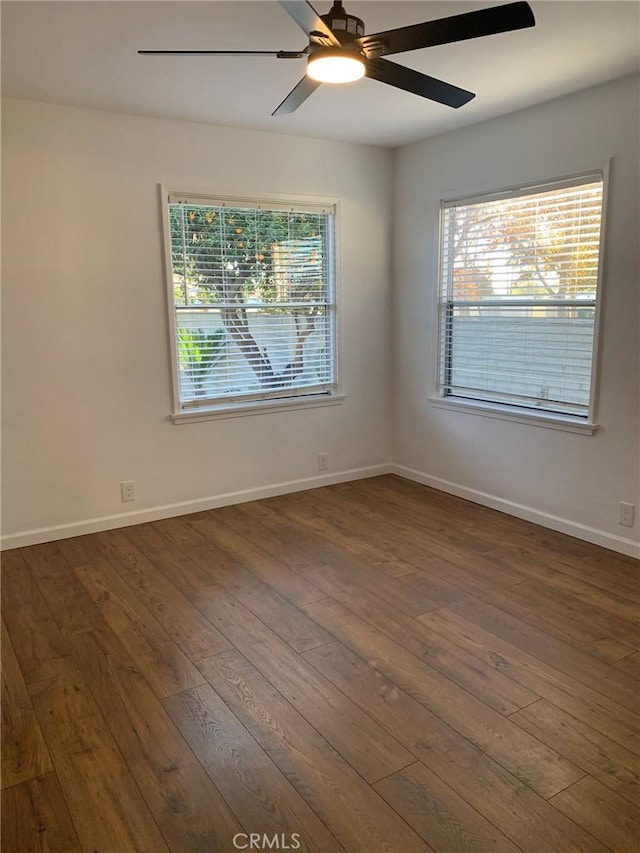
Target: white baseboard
{"x":140,"y":516}
{"x":621,"y":544}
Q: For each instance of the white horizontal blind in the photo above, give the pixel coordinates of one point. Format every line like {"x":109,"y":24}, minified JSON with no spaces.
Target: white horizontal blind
{"x":253,"y":293}
{"x":518,"y":285}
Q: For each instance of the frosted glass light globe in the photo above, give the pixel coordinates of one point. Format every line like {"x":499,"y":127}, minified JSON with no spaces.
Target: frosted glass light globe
{"x":335,"y":67}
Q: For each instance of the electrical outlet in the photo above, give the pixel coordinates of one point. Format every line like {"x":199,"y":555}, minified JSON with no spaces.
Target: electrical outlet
{"x":323,"y":461}
{"x":127,"y":491}
{"x":627,"y":512}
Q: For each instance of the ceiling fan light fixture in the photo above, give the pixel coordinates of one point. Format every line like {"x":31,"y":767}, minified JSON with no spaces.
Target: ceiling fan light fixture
{"x":335,"y":65}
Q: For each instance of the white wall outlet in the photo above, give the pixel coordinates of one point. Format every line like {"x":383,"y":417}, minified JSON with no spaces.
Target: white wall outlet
{"x":127,"y":490}
{"x":323,"y":461}
{"x":627,"y":511}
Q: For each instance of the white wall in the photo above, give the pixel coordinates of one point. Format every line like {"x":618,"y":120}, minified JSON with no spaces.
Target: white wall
{"x":87,"y":389}
{"x":559,"y":478}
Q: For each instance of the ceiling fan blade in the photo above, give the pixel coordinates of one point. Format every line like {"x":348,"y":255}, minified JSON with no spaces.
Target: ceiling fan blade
{"x":279,"y":54}
{"x":470,"y":25}
{"x":310,"y":22}
{"x":297,"y":96}
{"x":417,"y":83}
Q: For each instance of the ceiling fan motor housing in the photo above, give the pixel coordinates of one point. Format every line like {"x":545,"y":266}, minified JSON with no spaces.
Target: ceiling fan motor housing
{"x":345,"y":27}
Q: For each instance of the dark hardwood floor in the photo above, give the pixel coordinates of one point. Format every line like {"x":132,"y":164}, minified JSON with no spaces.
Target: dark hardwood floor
{"x":373,"y":667}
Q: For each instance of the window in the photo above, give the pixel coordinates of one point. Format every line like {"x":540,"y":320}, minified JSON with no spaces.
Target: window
{"x":252,"y":301}
{"x":519,"y":274}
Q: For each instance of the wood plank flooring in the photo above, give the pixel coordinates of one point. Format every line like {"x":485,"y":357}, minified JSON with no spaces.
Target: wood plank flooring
{"x":373,"y":667}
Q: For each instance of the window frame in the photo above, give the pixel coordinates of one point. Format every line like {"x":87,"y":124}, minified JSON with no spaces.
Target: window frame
{"x":511,"y":412}
{"x":242,"y":406}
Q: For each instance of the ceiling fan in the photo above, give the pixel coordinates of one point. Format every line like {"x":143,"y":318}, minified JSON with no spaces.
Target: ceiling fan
{"x":339,"y":51}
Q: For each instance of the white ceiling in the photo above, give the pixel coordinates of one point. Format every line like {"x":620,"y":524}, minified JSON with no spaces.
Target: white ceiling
{"x":84,"y":54}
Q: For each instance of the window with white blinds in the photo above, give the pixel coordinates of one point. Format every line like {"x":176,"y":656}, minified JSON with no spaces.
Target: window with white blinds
{"x":519,"y":278}
{"x":253,"y":300}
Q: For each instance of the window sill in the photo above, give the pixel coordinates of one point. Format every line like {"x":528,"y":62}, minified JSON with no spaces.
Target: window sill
{"x":523,"y":416}
{"x":237,"y":410}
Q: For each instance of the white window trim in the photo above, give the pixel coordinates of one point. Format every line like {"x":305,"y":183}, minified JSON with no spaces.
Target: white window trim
{"x":252,"y":407}
{"x":514,"y":413}
{"x":552,"y":420}
{"x":214,"y":413}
